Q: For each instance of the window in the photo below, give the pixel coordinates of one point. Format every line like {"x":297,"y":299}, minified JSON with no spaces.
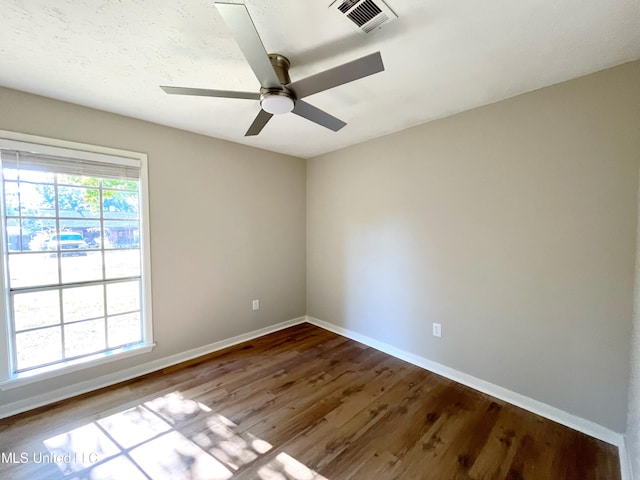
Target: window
{"x":75,"y":256}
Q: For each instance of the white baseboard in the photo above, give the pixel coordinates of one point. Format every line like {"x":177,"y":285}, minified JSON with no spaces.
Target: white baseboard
{"x":552,"y":413}
{"x":110,"y":379}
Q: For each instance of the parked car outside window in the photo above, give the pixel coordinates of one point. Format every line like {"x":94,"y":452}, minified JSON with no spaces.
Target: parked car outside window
{"x":68,"y":241}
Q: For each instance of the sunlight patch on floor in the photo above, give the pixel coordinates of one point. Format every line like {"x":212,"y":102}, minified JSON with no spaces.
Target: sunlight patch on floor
{"x":285,"y":467}
{"x":133,"y":426}
{"x":81,"y":447}
{"x":167,"y":437}
{"x":118,"y":467}
{"x":174,"y":456}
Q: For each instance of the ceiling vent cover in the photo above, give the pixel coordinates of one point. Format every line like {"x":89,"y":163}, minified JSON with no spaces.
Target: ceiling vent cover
{"x":365,"y":15}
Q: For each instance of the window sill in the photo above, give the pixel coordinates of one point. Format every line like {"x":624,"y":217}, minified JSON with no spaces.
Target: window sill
{"x":52,"y":371}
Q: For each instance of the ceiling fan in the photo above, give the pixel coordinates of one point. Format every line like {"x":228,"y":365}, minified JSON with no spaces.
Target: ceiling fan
{"x":278,"y":94}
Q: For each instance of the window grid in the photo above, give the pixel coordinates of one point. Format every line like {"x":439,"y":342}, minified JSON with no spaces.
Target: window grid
{"x":61,"y":286}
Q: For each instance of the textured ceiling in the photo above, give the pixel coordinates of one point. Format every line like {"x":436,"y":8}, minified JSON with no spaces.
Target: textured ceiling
{"x":441,"y":57}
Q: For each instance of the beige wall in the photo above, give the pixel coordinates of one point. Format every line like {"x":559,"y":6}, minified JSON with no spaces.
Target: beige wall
{"x":633,"y":414}
{"x":227,"y":226}
{"x":512,"y":225}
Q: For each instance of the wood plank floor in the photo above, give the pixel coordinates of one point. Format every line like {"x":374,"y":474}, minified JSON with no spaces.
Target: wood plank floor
{"x":299,"y":404}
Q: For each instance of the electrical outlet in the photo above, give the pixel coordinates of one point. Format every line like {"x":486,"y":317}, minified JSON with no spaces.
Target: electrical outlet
{"x":256,"y":304}
{"x":437,"y":330}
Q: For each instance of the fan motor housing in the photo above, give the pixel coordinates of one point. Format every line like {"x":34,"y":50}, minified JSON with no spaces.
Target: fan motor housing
{"x":276,"y":101}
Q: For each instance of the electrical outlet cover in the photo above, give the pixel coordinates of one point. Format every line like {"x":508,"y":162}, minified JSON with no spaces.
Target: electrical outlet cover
{"x":437,"y":330}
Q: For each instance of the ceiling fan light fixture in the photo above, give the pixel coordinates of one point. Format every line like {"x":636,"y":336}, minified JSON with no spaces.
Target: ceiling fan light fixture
{"x":276,"y":103}
{"x":278,"y":95}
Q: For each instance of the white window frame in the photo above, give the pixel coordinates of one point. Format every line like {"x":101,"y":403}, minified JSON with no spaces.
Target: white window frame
{"x":81,"y":151}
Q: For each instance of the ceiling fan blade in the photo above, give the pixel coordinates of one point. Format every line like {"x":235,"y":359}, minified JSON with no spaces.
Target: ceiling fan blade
{"x":318,"y":116}
{"x":348,"y":72}
{"x":258,"y":124}
{"x":205,"y":92}
{"x":237,"y":18}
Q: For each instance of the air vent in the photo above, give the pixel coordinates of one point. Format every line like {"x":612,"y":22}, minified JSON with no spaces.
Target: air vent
{"x":365,"y":15}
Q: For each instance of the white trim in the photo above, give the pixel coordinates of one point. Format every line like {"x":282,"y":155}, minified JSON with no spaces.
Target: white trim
{"x":626,"y":473}
{"x":76,"y":154}
{"x":19,"y":141}
{"x":552,"y":413}
{"x":65,"y":148}
{"x":145,"y":249}
{"x":5,"y":330}
{"x":110,"y":379}
{"x":58,"y":369}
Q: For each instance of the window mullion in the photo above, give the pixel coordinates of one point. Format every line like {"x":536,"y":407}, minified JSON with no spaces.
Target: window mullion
{"x":59,"y":260}
{"x":14,"y":329}
{"x":86,"y":283}
{"x":20,"y":209}
{"x":104,"y":264}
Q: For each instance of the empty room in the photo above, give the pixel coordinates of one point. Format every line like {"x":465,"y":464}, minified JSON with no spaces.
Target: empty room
{"x":321,"y":240}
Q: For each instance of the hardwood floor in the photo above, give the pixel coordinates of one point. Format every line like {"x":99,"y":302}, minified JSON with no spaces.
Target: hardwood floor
{"x":299,"y":404}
